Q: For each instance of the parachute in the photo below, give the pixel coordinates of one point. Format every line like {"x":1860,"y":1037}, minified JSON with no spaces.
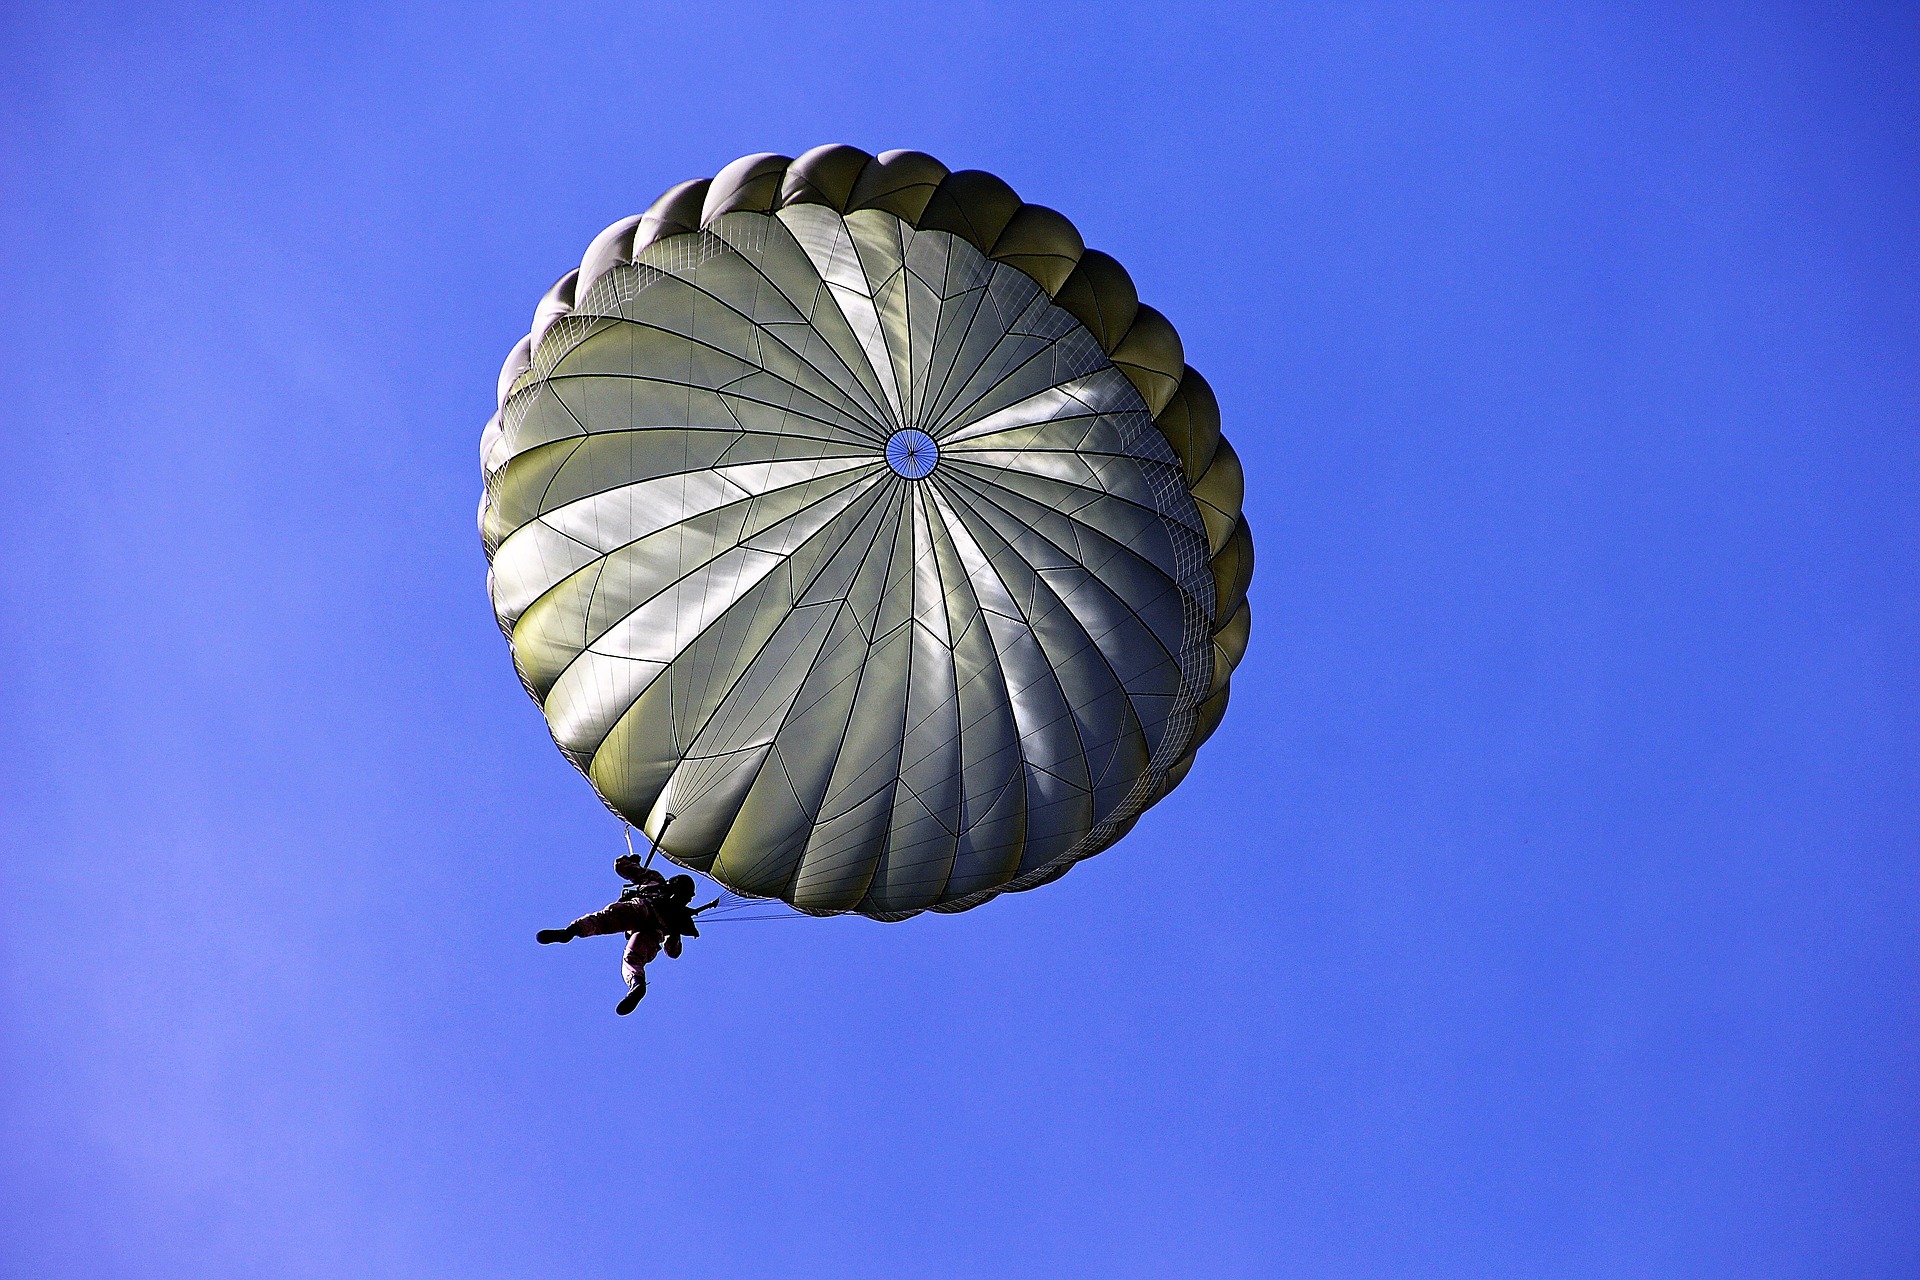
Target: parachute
{"x":862,"y":536}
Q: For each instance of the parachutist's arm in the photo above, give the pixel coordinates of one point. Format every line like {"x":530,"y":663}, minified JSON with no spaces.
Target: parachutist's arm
{"x":710,"y":906}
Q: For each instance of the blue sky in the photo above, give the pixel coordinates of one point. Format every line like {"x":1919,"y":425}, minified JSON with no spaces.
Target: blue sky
{"x":1545,"y":907}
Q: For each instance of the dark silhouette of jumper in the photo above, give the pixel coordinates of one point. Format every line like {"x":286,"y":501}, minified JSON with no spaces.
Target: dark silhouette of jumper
{"x":652,"y":911}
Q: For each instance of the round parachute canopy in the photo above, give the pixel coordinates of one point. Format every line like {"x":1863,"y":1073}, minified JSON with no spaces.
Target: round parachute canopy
{"x":854,"y":517}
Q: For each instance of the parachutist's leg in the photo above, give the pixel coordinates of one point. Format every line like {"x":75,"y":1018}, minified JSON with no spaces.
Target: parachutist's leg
{"x":616,"y":917}
{"x":642,"y":946}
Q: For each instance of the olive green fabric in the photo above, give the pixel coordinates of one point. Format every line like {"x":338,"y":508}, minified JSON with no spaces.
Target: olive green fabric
{"x":860,"y":683}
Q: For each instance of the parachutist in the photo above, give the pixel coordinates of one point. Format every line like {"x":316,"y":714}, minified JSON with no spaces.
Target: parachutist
{"x":653,"y":912}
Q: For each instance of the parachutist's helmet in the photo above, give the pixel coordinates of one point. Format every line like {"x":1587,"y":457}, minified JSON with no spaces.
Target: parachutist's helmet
{"x":680,"y":889}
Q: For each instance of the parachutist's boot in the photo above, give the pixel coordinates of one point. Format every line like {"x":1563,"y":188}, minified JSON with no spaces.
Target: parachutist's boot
{"x":632,"y":1000}
{"x":555,"y":935}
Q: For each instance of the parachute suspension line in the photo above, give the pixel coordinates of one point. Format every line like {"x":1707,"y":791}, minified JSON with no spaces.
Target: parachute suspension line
{"x":626,"y":832}
{"x":656,"y":841}
{"x":732,"y":907}
{"x":726,"y":908}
